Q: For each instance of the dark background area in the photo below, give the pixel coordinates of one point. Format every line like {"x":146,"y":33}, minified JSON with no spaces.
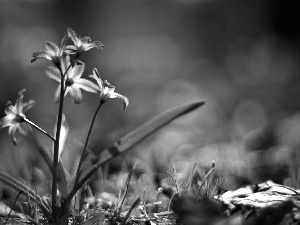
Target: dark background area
{"x":240,"y":56}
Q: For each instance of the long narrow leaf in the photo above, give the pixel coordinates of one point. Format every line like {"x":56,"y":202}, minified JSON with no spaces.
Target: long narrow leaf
{"x":132,"y":208}
{"x":190,"y":179}
{"x":94,"y":219}
{"x":62,"y":172}
{"x":175,"y":179}
{"x":126,"y":188}
{"x":127,"y":142}
{"x":204,"y":179}
{"x":17,"y":185}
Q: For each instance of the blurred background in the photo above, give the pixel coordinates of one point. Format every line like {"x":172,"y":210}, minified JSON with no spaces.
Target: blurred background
{"x":240,"y":56}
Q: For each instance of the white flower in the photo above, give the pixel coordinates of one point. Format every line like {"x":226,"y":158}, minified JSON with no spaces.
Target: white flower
{"x":52,"y":52}
{"x":81,"y":44}
{"x":107,"y":91}
{"x":15,"y":116}
{"x":73,"y":80}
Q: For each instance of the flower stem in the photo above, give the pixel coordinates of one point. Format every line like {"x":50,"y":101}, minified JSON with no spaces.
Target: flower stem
{"x":88,"y":137}
{"x":56,"y":145}
{"x":39,"y":129}
{"x":56,"y":149}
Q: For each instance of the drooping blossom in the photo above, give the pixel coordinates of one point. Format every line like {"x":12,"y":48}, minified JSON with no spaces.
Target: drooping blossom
{"x":107,"y":91}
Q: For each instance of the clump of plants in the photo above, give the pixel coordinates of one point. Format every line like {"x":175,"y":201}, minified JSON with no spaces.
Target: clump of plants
{"x":71,"y":200}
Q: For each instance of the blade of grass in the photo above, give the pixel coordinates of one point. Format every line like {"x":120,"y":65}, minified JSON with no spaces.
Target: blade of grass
{"x":127,"y":142}
{"x":126,"y":189}
{"x":175,"y":179}
{"x":17,"y":185}
{"x":215,"y":187}
{"x":93,"y":219}
{"x":32,"y":221}
{"x":190,"y":179}
{"x":36,"y":214}
{"x":81,"y":195}
{"x":28,"y":195}
{"x":204,"y":179}
{"x":167,"y":213}
{"x":119,"y":197}
{"x":133,"y":207}
{"x":153,"y":204}
{"x":146,"y":206}
{"x":169,"y":206}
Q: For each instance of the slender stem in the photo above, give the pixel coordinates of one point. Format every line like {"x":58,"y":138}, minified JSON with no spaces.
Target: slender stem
{"x":88,"y":137}
{"x":39,"y":129}
{"x":56,"y":145}
{"x":56,"y":148}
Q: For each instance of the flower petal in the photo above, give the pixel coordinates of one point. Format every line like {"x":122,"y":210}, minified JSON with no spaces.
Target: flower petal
{"x":67,"y":91}
{"x":86,"y":39}
{"x":10,"y":109}
{"x":57,"y":94}
{"x":72,"y":35}
{"x":76,"y":72}
{"x":70,"y":49}
{"x":76,"y":94}
{"x":86,"y":85}
{"x":63,"y":42}
{"x":99,"y":45}
{"x":41,"y":54}
{"x":6,"y":121}
{"x":19,"y":104}
{"x":64,"y":130}
{"x":108,"y":89}
{"x":95,"y":44}
{"x":28,"y":105}
{"x":53,"y":73}
{"x":52,"y":48}
{"x":96,"y":76}
{"x":12,"y":132}
{"x":124,"y":99}
{"x":24,"y":128}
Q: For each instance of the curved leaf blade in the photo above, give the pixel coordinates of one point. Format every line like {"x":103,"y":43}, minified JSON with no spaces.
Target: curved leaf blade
{"x":127,"y":142}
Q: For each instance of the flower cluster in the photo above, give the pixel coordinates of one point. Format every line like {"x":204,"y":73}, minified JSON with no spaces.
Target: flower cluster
{"x":54,"y":53}
{"x":68,"y":73}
